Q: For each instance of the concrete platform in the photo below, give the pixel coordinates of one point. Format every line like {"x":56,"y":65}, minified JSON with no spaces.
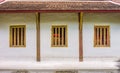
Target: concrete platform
{"x":58,"y":65}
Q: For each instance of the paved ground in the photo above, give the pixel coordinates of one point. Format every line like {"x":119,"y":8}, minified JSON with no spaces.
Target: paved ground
{"x":53,"y":65}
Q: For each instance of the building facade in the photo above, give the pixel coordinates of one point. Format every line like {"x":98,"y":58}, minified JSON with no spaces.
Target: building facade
{"x":75,"y":31}
{"x":60,"y":53}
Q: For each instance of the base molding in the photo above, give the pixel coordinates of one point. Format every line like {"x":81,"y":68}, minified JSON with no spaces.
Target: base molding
{"x":61,"y":71}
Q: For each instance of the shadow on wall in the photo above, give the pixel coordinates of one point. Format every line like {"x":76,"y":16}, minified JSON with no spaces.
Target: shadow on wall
{"x":21,"y":71}
{"x":118,"y":65}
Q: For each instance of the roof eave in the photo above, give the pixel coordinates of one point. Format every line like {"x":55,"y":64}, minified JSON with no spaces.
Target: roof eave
{"x":33,"y":6}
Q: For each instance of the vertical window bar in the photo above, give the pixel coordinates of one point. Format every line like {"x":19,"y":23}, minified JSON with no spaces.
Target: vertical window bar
{"x":65,"y":37}
{"x":52,"y":36}
{"x":100,"y":35}
{"x":18,"y":36}
{"x":104,"y":37}
{"x":11,"y":42}
{"x":22,"y":36}
{"x":55,"y":36}
{"x":108,"y":37}
{"x":62,"y":36}
{"x":59,"y":36}
{"x":97,"y":36}
{"x":14,"y":36}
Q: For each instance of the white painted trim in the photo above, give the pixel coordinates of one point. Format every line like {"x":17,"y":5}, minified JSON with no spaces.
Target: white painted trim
{"x":53,"y":65}
{"x":3,"y":2}
{"x":114,"y":2}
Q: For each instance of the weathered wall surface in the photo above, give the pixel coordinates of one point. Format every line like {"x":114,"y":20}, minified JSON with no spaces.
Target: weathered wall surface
{"x":14,"y":53}
{"x":101,"y":53}
{"x":69,"y":53}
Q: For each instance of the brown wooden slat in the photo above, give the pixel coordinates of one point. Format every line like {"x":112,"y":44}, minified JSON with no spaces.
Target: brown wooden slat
{"x":14,"y":36}
{"x":100,"y":35}
{"x":104,"y":37}
{"x":62,"y":36}
{"x":66,"y":36}
{"x":52,"y":36}
{"x":21,"y":36}
{"x":108,"y":37}
{"x":97,"y":36}
{"x":59,"y":36}
{"x":55,"y":36}
{"x":18,"y":36}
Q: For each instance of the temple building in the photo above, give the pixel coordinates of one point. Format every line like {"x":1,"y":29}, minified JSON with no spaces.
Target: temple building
{"x":59,"y":31}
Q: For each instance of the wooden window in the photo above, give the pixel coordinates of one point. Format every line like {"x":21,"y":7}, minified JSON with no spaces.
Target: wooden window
{"x":21,"y":71}
{"x":67,"y":71}
{"x":59,"y":36}
{"x":17,"y":36}
{"x":101,"y":36}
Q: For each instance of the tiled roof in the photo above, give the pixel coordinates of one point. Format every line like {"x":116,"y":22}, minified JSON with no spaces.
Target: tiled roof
{"x":61,"y":5}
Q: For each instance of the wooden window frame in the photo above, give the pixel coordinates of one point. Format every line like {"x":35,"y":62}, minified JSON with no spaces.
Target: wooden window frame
{"x":66,"y":41}
{"x":24,"y":41}
{"x":99,"y":39}
{"x":67,"y":71}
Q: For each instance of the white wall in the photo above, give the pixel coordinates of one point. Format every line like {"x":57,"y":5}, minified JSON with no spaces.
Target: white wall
{"x":26,"y":53}
{"x":110,"y":53}
{"x":59,"y":54}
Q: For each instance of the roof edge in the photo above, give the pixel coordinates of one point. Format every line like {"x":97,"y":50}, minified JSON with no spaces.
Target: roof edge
{"x":116,"y":2}
{"x":81,"y":5}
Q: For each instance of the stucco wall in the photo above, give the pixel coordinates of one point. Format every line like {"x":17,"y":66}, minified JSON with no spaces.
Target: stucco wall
{"x":105,"y":53}
{"x":25,"y":53}
{"x":69,"y":53}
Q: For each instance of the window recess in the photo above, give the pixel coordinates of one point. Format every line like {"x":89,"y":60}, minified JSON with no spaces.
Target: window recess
{"x":101,"y":36}
{"x":59,"y":36}
{"x":17,"y":36}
